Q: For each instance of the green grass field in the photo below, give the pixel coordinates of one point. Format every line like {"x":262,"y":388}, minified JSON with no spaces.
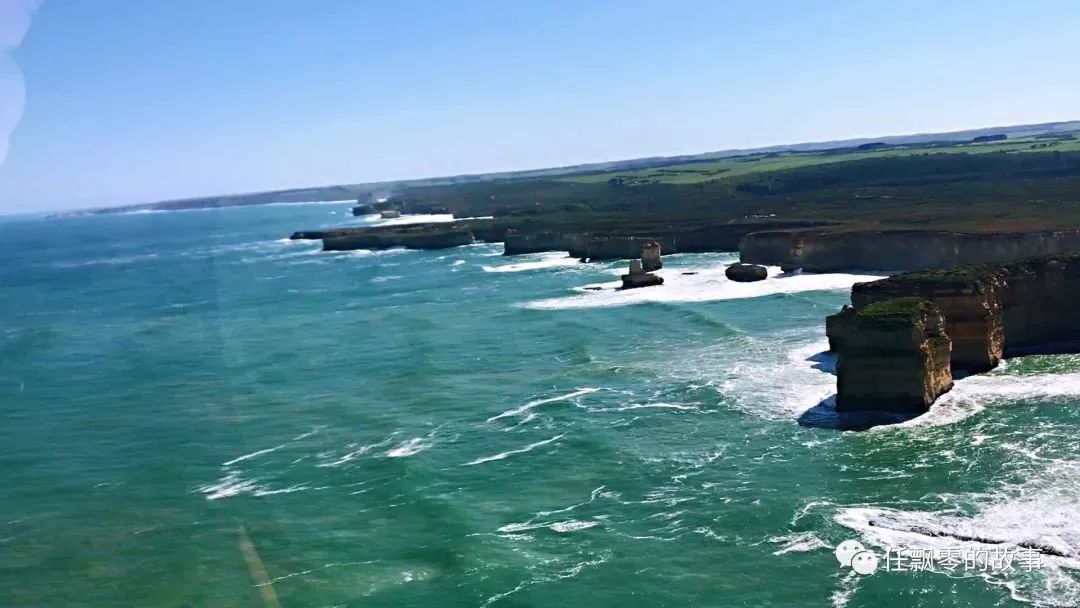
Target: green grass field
{"x":742,"y":166}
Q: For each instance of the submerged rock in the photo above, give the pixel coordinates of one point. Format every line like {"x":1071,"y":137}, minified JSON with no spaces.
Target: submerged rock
{"x":892,"y":356}
{"x":746,"y":273}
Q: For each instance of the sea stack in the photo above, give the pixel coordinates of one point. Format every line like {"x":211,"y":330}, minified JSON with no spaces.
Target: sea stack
{"x":650,"y":257}
{"x":639,"y":278}
{"x":893,"y":356}
{"x":746,"y":273}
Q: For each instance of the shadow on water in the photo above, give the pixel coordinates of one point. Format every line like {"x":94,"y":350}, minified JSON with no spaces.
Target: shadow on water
{"x":824,"y":361}
{"x":824,"y":416}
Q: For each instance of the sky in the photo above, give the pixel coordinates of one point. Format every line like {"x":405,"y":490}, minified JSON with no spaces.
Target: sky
{"x":109,"y":102}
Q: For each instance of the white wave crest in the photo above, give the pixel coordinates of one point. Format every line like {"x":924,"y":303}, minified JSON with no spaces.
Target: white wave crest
{"x":410,"y":447}
{"x":251,"y":455}
{"x":526,"y":409}
{"x":571,"y":526}
{"x":229,"y":485}
{"x":973,"y":394}
{"x":536,"y":261}
{"x":709,"y":284}
{"x":509,"y":453}
{"x":799,"y":542}
{"x":1041,"y":515}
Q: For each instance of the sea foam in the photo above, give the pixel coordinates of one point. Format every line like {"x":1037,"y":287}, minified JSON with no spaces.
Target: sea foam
{"x":708,"y":284}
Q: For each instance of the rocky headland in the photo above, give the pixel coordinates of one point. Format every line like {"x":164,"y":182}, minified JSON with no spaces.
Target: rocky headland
{"x":588,"y":242}
{"x":989,"y":311}
{"x":894,"y":356}
{"x":431,"y":235}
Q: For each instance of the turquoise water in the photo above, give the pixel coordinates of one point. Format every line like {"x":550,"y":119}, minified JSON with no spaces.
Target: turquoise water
{"x":199,"y":413}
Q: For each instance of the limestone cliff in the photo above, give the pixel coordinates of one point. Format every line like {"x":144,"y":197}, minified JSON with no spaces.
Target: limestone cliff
{"x":971,"y":306}
{"x":412,"y":239}
{"x":428,"y":235}
{"x":994,"y":310}
{"x":521,"y":241}
{"x":892,"y":356}
{"x":817,"y":250}
{"x":650,"y":257}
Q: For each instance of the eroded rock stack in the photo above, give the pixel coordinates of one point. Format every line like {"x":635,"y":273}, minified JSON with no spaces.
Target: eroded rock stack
{"x":970,"y":302}
{"x":990,"y":311}
{"x":893,"y":356}
{"x":650,"y":257}
{"x":639,"y":278}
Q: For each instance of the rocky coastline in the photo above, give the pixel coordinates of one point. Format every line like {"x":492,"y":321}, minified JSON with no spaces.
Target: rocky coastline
{"x":898,"y":250}
{"x":894,"y":355}
{"x":989,"y":311}
{"x":520,"y":237}
{"x":427,"y":235}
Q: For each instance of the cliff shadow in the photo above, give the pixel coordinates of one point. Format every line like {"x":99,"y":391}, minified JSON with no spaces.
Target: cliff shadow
{"x":825,"y":361}
{"x":824,"y":416}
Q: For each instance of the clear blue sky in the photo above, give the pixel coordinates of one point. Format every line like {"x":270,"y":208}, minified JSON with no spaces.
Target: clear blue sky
{"x":133,"y":101}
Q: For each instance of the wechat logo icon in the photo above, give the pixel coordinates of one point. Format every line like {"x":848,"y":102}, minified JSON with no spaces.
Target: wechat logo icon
{"x":851,"y":554}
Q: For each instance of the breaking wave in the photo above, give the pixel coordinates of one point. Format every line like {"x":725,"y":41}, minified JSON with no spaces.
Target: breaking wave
{"x":706,"y":285}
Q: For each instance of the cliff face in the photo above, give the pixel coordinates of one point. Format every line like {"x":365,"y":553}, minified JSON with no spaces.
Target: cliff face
{"x":442,"y":239}
{"x":892,"y":356}
{"x":817,"y":251}
{"x":482,"y":229}
{"x":608,"y":244}
{"x":1040,"y":300}
{"x":994,"y":310}
{"x":972,"y":310}
{"x":430,"y":235}
{"x":518,"y":242}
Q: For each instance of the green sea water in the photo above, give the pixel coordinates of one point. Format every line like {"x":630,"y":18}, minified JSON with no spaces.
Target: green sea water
{"x":197,"y":412}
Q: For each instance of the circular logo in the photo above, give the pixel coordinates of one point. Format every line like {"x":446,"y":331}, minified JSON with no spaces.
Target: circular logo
{"x":864,"y":562}
{"x":846,"y":550}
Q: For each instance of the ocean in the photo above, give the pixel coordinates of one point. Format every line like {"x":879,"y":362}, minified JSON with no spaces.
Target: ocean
{"x":198,"y":412}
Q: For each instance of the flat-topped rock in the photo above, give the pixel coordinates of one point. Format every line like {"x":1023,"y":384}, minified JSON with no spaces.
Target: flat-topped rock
{"x":988,"y":311}
{"x":893,"y":355}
